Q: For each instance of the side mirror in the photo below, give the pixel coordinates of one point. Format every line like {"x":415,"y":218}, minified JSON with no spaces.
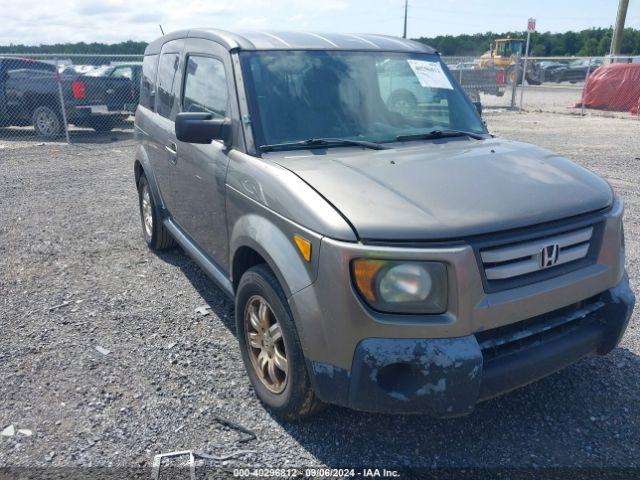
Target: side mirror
{"x":478,"y":106}
{"x":202,"y":128}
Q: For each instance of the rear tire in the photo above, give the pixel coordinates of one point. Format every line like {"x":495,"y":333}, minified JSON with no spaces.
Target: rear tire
{"x":283,"y":387}
{"x":155,"y":233}
{"x":46,"y":122}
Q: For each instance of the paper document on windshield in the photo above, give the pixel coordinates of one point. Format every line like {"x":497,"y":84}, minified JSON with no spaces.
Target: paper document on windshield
{"x":430,"y":74}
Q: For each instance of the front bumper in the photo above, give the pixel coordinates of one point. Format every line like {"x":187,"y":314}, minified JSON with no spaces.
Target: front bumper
{"x":448,"y":376}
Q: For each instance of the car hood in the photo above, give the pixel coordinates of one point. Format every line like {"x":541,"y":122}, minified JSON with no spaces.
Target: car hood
{"x":448,"y":188}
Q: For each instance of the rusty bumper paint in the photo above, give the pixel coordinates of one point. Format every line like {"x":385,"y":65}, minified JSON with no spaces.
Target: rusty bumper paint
{"x":448,"y":377}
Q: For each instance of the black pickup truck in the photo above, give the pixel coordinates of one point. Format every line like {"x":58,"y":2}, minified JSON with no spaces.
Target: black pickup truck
{"x":30,"y":95}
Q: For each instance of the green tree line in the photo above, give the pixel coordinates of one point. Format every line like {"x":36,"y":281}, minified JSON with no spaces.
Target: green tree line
{"x":591,"y":42}
{"x":123,"y":48}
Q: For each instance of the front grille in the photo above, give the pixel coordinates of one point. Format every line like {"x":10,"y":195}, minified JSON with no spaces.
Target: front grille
{"x":506,"y":339}
{"x":520,"y":259}
{"x":528,"y":256}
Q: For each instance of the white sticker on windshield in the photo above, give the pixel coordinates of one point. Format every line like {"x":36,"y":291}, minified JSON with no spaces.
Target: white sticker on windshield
{"x":430,"y":74}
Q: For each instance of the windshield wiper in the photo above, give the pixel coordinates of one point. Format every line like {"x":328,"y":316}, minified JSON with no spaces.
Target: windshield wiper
{"x":439,"y":134}
{"x":322,"y":142}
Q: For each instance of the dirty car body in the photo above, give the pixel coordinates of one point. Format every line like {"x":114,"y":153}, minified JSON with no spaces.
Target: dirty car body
{"x":444,"y":266}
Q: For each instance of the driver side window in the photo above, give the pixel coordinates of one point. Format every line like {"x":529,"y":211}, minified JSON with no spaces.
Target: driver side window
{"x":205,"y":86}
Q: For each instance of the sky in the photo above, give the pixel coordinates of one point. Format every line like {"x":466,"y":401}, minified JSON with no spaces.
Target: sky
{"x":34,"y":22}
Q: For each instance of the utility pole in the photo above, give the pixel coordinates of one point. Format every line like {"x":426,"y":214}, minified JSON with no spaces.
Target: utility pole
{"x":616,"y":41}
{"x":406,"y":7}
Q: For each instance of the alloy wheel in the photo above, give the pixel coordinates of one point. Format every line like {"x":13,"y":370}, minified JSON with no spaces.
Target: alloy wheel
{"x":266,"y":344}
{"x":147,"y":211}
{"x":47,"y":122}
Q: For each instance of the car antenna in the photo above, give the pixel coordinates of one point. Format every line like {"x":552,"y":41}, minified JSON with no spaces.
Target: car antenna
{"x":161,"y":29}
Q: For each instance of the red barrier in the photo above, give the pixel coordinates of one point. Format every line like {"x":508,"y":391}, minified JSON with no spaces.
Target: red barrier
{"x":614,"y":87}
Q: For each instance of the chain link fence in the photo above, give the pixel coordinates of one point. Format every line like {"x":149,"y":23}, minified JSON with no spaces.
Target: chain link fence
{"x":553,"y":84}
{"x":490,"y":86}
{"x":67,"y":96}
{"x":74,"y":97}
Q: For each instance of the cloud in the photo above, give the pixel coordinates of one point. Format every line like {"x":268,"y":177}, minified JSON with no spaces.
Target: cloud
{"x":92,"y":8}
{"x":149,"y":17}
{"x":33,"y":22}
{"x":252,"y":22}
{"x":332,"y":5}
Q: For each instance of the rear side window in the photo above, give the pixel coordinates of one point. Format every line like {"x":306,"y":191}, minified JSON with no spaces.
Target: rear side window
{"x":205,"y":86}
{"x":167,"y":73}
{"x":147,"y":84}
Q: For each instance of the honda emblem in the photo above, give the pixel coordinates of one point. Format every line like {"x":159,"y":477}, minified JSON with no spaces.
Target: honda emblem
{"x":549,"y":256}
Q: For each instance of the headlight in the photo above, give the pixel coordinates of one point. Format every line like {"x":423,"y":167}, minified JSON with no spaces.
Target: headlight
{"x":402,"y":286}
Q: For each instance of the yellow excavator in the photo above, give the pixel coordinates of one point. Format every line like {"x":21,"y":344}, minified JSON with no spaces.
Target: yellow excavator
{"x":503,"y":53}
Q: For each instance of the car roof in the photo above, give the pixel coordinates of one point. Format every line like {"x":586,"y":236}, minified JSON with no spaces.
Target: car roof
{"x":293,"y":40}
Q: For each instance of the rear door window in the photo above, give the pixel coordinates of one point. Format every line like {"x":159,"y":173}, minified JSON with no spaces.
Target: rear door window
{"x":167,"y":74}
{"x":205,"y":86}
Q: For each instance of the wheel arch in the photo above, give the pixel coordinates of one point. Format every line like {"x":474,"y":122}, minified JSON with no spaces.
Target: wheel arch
{"x":244,"y":258}
{"x":142,"y":166}
{"x":33,"y":101}
{"x":256,"y":239}
{"x":138,"y":170}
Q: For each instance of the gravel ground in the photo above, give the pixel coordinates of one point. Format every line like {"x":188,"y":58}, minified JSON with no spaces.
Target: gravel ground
{"x":549,"y":98}
{"x":75,"y":275}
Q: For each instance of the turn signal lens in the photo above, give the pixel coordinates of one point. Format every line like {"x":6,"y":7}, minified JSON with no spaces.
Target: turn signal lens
{"x":364,"y":272}
{"x":304,"y":246}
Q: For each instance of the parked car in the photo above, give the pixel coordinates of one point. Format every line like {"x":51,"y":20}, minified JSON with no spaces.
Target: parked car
{"x":130,"y":70}
{"x":402,"y":91}
{"x":29,"y":95}
{"x":385,"y":261}
{"x":575,"y":71}
{"x":548,"y":67}
{"x":462,"y":66}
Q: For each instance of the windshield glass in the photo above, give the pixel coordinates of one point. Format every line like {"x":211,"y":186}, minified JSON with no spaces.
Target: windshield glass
{"x":373,"y":96}
{"x":98,"y":71}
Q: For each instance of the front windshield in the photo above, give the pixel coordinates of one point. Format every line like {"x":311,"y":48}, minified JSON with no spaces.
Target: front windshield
{"x":372,"y":96}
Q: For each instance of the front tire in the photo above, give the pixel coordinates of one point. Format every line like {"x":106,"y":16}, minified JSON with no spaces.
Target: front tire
{"x":514,"y":75}
{"x":155,"y":233}
{"x":270,"y":346}
{"x":403,"y":103}
{"x":533,"y":81}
